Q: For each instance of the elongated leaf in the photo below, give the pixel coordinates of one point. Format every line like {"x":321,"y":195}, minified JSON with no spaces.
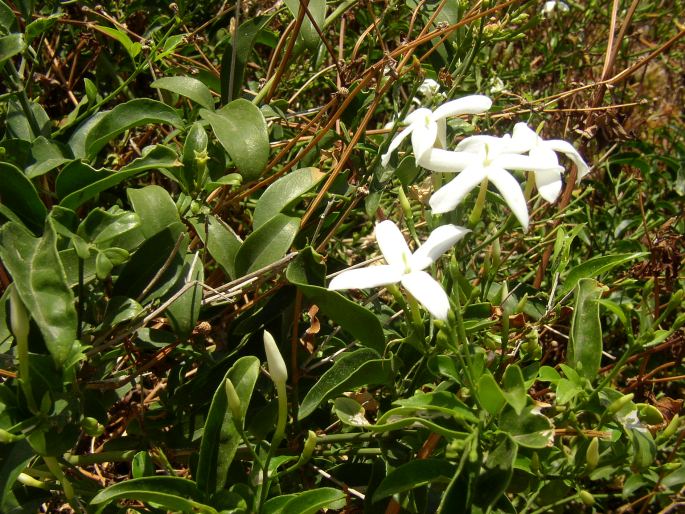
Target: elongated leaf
{"x":310,"y":502}
{"x":8,"y":20}
{"x":489,"y":394}
{"x":10,"y":46}
{"x":585,"y":342}
{"x":414,"y":474}
{"x":134,"y":113}
{"x":155,"y":207}
{"x":513,"y":388}
{"x":596,"y":266}
{"x":245,"y":38}
{"x":14,"y":458}
{"x":174,"y":493}
{"x":496,"y":475}
{"x":184,"y":312}
{"x":317,"y":8}
{"x":79,"y":182}
{"x":221,"y":243}
{"x":307,"y":272}
{"x":42,"y":285}
{"x":131,"y":48}
{"x":241,"y":129}
{"x":18,"y":194}
{"x":530,"y":428}
{"x":267,"y":244}
{"x":46,"y":155}
{"x":439,"y":401}
{"x":284,"y":192}
{"x":188,"y":87}
{"x":361,"y":367}
{"x":220,"y":438}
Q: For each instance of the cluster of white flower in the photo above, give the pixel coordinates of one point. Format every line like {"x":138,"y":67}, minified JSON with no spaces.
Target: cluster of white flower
{"x":475,"y":159}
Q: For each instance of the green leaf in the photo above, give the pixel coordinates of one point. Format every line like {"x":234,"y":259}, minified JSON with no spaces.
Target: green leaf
{"x":155,"y":207}
{"x":18,"y":125}
{"x":174,"y":493}
{"x":489,"y":394}
{"x":415,"y":473}
{"x":185,"y":311}
{"x":40,"y":26}
{"x":311,"y":502}
{"x":134,"y":113}
{"x":10,"y":46}
{"x":244,"y":42}
{"x":42,"y":285}
{"x":284,"y":192}
{"x":188,"y":87}
{"x":440,"y":401}
{"x":514,"y":388}
{"x":221,"y":242}
{"x":141,"y":465}
{"x":19,"y":196}
{"x":241,"y":129}
{"x":585,"y":340}
{"x":111,"y":228}
{"x":530,"y":428}
{"x":267,"y":244}
{"x":46,"y":155}
{"x":13,"y":460}
{"x":594,"y":267}
{"x":8,"y":20}
{"x":79,"y":182}
{"x":220,"y":438}
{"x":309,"y":35}
{"x":352,"y":370}
{"x":307,"y":270}
{"x":119,"y":310}
{"x":496,"y":474}
{"x":131,"y":48}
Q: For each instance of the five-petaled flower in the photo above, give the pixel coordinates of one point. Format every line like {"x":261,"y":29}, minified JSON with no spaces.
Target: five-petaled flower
{"x":425,"y":126}
{"x":406,"y":267}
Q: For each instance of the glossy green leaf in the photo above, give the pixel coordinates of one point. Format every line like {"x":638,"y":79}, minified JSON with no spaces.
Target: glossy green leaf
{"x":185,"y":311}
{"x":352,"y":370}
{"x":8,"y":20}
{"x":267,"y":244}
{"x":46,"y":155}
{"x":489,"y":394}
{"x":530,"y":428}
{"x":311,"y":502}
{"x":189,"y":87}
{"x":133,"y":49}
{"x":21,"y":198}
{"x":309,"y":35}
{"x":42,"y":285}
{"x":173,"y":493}
{"x":594,"y":267}
{"x":241,"y":129}
{"x":496,"y":474}
{"x":13,"y":459}
{"x":109,"y":228}
{"x":79,"y":182}
{"x":585,"y":340}
{"x":155,"y":207}
{"x":307,"y":273}
{"x":513,"y":388}
{"x":283,"y":193}
{"x":439,"y":401}
{"x":415,"y":473}
{"x":18,"y":125}
{"x":40,"y":26}
{"x":10,"y":46}
{"x":134,"y":113}
{"x":119,"y":310}
{"x":141,"y":465}
{"x":233,"y":64}
{"x":220,"y":438}
{"x":221,"y":243}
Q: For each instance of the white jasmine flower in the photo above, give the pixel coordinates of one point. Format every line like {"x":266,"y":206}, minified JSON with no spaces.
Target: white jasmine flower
{"x":274,"y":360}
{"x":484,"y":157}
{"x":548,"y":182}
{"x":425,"y":126}
{"x":405,"y":267}
{"x":550,"y":6}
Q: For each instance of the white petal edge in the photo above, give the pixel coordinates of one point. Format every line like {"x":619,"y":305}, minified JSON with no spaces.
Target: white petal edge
{"x":447,"y":161}
{"x":423,"y":138}
{"x":472,"y":104}
{"x":510,"y":190}
{"x":439,"y":241}
{"x":428,"y":292}
{"x":395,"y":143}
{"x":548,"y":184}
{"x":362,"y":278}
{"x":451,"y":194}
{"x":524,"y":137}
{"x":533,"y":162}
{"x":392,"y":244}
{"x":567,"y":148}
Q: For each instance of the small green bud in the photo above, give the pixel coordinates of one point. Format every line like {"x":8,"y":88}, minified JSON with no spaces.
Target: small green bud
{"x":592,"y":455}
{"x":309,"y":446}
{"x":535,"y":463}
{"x":274,"y":360}
{"x":618,"y":404}
{"x":19,"y":317}
{"x":496,"y":253}
{"x":7,"y":437}
{"x":92,"y":427}
{"x":649,"y":414}
{"x":670,"y":429}
{"x":233,"y":400}
{"x":587,"y":498}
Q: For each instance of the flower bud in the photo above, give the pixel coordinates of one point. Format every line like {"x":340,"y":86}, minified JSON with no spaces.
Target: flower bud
{"x":309,"y":446}
{"x":274,"y":360}
{"x":618,"y":404}
{"x":19,"y":318}
{"x":670,"y":429}
{"x":233,"y":400}
{"x":587,"y":498}
{"x":592,"y":455}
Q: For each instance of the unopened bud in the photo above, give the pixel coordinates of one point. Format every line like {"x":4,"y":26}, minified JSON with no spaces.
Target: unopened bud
{"x":19,"y":318}
{"x":618,"y":404}
{"x":233,"y":400}
{"x":587,"y":498}
{"x":274,"y":360}
{"x":309,"y":446}
{"x":592,"y":455}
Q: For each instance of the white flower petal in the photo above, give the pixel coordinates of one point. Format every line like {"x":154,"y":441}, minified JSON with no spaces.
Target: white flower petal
{"x":524,"y":137}
{"x":440,"y":240}
{"x":567,"y":148}
{"x":362,"y":278}
{"x":446,"y":161}
{"x":477,"y":143}
{"x":395,"y":143}
{"x":423,"y":138}
{"x":418,"y":116}
{"x":532,"y":162}
{"x":428,"y":292}
{"x":510,"y":190}
{"x":473,"y":104}
{"x":392,"y":244}
{"x":548,"y":184}
{"x":448,"y":196}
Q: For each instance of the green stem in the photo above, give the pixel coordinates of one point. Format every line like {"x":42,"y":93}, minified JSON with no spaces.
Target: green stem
{"x":263,"y":489}
{"x":56,"y":470}
{"x":13,"y":77}
{"x":480,"y":203}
